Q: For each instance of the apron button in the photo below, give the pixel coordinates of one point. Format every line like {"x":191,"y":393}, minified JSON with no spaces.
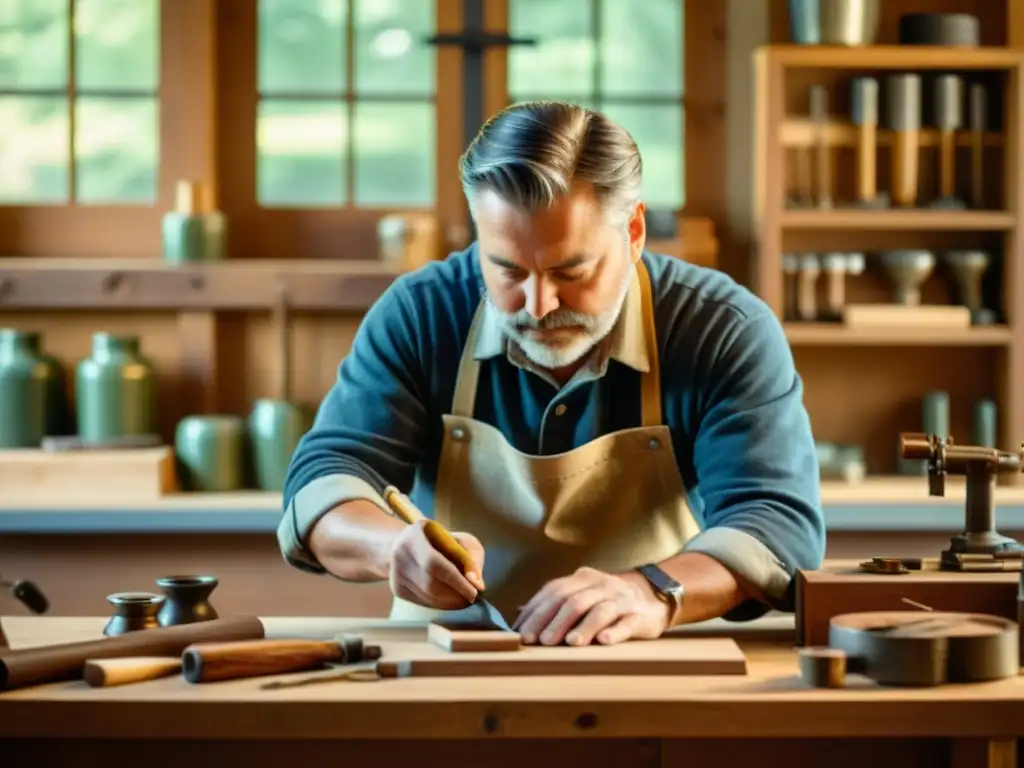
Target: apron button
{"x":654,"y":444}
{"x":458,"y":433}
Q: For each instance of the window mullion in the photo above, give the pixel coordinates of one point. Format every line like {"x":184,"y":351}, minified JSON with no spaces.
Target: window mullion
{"x":72,"y":106}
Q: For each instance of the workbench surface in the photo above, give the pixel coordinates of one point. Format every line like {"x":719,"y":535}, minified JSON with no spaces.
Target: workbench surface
{"x":770,"y":701}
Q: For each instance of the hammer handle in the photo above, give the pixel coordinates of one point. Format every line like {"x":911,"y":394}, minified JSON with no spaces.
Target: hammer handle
{"x":211,"y":662}
{"x":103,"y":673}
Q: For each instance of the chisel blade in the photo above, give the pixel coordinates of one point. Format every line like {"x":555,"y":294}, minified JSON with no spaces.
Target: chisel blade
{"x":479,"y":615}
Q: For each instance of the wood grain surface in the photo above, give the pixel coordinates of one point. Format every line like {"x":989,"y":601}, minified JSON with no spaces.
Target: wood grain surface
{"x":769,"y":702}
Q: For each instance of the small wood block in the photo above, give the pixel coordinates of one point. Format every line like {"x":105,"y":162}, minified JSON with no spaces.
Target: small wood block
{"x":823,"y":667}
{"x":457,"y":640}
{"x":843,"y":588}
{"x":933,"y":317}
{"x":35,"y":476}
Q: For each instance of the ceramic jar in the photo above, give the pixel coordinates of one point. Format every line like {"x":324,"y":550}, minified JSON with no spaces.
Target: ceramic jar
{"x":115,"y":390}
{"x":33,"y":400}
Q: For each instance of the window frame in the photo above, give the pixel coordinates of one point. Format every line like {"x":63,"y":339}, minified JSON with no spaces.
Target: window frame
{"x":131,"y":231}
{"x":207,"y":118}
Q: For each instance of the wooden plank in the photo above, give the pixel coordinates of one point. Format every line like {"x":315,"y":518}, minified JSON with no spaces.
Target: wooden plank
{"x":675,"y":656}
{"x":30,"y":475}
{"x":798,"y":132}
{"x":137,"y":284}
{"x":459,"y":640}
{"x":917,"y":57}
{"x":934,"y":318}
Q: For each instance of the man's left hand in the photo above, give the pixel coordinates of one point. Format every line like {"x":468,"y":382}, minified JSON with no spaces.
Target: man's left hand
{"x":590,"y":605}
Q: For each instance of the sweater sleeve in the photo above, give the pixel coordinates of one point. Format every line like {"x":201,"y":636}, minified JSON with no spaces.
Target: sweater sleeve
{"x":757,"y":467}
{"x":368,"y":431}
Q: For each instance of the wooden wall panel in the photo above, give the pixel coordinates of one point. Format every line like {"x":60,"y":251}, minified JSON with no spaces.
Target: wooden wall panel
{"x":77,"y":572}
{"x":244,"y":343}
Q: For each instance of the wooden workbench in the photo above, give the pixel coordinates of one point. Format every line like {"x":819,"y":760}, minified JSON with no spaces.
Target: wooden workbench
{"x":768,"y":716}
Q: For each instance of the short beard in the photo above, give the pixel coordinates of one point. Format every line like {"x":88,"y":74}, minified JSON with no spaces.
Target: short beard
{"x":588,"y":330}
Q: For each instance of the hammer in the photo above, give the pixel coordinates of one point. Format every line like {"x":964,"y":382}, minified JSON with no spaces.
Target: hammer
{"x":212,"y":662}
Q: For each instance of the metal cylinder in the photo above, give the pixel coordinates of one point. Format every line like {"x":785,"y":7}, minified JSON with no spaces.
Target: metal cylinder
{"x":903,"y":102}
{"x":865,"y":101}
{"x":978,"y":108}
{"x":950,"y":29}
{"x":833,"y":22}
{"x":949,"y":98}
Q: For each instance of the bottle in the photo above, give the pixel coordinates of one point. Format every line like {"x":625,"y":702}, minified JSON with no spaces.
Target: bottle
{"x":115,"y":390}
{"x":193,"y":231}
{"x":33,"y":401}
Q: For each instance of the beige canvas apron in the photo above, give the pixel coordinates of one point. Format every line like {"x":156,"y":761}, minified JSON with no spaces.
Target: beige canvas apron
{"x":613,"y":504}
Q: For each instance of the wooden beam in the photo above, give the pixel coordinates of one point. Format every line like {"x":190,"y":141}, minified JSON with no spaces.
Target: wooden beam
{"x":137,"y":284}
{"x":189,"y":131}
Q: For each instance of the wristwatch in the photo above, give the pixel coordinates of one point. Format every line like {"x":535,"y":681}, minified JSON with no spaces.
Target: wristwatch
{"x":665,"y":587}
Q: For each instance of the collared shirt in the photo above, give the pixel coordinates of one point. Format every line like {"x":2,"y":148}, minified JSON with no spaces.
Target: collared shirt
{"x":731,"y":397}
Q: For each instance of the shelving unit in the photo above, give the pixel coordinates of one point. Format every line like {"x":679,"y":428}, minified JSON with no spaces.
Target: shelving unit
{"x":863,"y":385}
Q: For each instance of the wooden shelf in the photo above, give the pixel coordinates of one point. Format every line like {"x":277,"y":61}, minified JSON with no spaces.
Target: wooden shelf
{"x":906,"y":490}
{"x":879,"y":490}
{"x":838,"y":335}
{"x":796,"y":133}
{"x":910,"y":219}
{"x":896,"y":57}
{"x":110,"y":284}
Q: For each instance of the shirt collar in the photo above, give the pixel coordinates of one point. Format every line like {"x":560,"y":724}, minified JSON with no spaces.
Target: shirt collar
{"x":627,"y":341}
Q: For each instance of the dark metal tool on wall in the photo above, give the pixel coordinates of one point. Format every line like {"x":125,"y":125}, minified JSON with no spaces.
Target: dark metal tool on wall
{"x":980,"y":546}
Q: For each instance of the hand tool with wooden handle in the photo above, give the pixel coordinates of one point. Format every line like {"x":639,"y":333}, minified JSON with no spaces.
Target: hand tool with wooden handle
{"x":904,"y":102}
{"x":978,"y":125}
{"x":448,"y":546}
{"x":819,"y":115}
{"x":103,"y":673}
{"x":212,"y":662}
{"x":436,"y":534}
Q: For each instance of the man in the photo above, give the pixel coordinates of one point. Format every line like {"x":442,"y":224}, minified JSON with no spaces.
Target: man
{"x":618,"y":438}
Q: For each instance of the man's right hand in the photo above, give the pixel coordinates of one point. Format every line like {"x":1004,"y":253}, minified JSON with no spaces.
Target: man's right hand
{"x":422,"y":575}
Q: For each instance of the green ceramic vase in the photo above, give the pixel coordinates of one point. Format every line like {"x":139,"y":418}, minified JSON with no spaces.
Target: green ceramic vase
{"x":33,"y":399}
{"x":196,"y":237}
{"x":210,"y":453}
{"x":275,"y":428}
{"x":115,"y":390}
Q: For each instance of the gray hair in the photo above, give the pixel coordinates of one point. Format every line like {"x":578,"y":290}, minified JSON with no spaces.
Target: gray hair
{"x":531,"y":153}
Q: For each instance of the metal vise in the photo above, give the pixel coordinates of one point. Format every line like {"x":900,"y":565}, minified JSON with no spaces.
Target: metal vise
{"x":980,"y":466}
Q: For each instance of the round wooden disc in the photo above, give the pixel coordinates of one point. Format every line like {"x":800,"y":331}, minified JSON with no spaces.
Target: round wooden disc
{"x":928,"y":647}
{"x":823,"y":667}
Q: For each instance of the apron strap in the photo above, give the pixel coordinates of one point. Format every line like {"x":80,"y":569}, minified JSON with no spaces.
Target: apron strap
{"x":464,"y":399}
{"x":650,"y":382}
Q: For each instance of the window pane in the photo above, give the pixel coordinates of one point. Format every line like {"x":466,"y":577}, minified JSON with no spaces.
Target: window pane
{"x":33,"y":149}
{"x":642,"y":47}
{"x":116,"y":155}
{"x":301,"y":46}
{"x":658,"y":132}
{"x":561,"y":64}
{"x":391,"y":55}
{"x":117,"y":44}
{"x":33,"y":44}
{"x":300,"y":149}
{"x":394,"y":155}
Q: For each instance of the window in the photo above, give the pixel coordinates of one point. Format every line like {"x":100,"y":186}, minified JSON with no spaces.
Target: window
{"x":622,"y":58}
{"x":78,"y":102}
{"x":346,"y":113}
